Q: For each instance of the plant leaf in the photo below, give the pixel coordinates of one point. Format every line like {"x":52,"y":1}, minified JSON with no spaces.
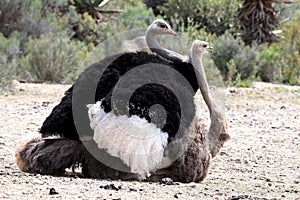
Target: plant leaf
{"x":103,"y":3}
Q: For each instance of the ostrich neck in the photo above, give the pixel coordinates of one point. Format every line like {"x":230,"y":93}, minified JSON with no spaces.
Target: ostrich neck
{"x":218,"y":122}
{"x":151,"y":41}
{"x":216,"y":111}
{"x":165,"y":53}
{"x":202,"y":81}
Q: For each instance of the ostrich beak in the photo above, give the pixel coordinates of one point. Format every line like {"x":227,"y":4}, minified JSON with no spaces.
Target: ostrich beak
{"x":171,"y":32}
{"x":209,"y":49}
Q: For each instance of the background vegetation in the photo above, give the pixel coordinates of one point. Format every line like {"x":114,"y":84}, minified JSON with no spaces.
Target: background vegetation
{"x":46,"y":41}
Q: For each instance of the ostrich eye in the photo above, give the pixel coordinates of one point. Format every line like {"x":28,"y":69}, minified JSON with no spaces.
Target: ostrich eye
{"x":204,"y":45}
{"x":162,"y":26}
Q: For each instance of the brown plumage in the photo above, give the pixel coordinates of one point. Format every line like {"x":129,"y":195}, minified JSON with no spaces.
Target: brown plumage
{"x":48,"y":155}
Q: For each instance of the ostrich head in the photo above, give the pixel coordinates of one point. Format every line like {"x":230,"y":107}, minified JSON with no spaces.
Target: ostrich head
{"x":200,"y":47}
{"x":160,"y":27}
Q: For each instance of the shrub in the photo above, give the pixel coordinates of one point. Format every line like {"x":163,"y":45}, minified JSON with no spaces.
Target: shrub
{"x":291,"y":46}
{"x":213,"y":16}
{"x":134,"y":17}
{"x":9,"y":50}
{"x":194,"y":32}
{"x":270,"y":64}
{"x":86,"y":29}
{"x":51,"y":58}
{"x":245,"y":62}
{"x":280,"y":62}
{"x":233,"y":58}
{"x":10,"y":16}
{"x":24,"y":17}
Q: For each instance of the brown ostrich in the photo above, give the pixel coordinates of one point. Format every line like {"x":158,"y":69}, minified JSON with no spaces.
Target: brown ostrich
{"x":199,"y":146}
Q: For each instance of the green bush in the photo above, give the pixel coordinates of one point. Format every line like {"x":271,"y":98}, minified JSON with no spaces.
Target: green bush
{"x":245,"y":62}
{"x":213,"y":16}
{"x":270,"y":65}
{"x":194,"y":32}
{"x":135,"y":17}
{"x":86,"y":29}
{"x":26,"y":18}
{"x":10,"y":16}
{"x":52,"y":58}
{"x":9,"y":51}
{"x":225,"y":48}
{"x":233,"y":58}
{"x":280,"y":62}
{"x":291,"y":46}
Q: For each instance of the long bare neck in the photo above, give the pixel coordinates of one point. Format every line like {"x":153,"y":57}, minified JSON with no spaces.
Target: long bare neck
{"x":155,"y":47}
{"x":217,"y":115}
{"x":218,"y":130}
{"x":201,"y":78}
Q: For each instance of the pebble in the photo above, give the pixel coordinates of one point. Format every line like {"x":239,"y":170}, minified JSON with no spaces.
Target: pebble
{"x":37,"y":182}
{"x":111,"y":187}
{"x":132,"y":190}
{"x":238,"y":197}
{"x":167,"y":181}
{"x":52,"y":191}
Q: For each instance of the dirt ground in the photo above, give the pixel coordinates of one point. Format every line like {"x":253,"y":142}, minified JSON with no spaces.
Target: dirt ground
{"x":261,"y":161}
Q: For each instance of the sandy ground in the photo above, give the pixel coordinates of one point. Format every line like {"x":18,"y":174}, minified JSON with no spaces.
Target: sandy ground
{"x":261,"y":161}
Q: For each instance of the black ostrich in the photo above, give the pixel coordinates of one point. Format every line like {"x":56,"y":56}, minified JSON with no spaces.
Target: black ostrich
{"x":99,"y":80}
{"x":52,"y":155}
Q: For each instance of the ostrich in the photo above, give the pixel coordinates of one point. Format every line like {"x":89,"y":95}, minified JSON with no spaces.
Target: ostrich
{"x":61,"y":121}
{"x":53,"y":155}
{"x":202,"y":146}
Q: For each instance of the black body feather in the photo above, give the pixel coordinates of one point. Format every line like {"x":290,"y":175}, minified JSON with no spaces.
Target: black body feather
{"x":97,"y":83}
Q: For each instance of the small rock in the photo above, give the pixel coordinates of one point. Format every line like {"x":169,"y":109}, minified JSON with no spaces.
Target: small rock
{"x":111,"y":187}
{"x":282,"y":107}
{"x":176,"y":196}
{"x":52,"y":191}
{"x":45,"y":103}
{"x":132,"y":190}
{"x":37,"y":182}
{"x":25,"y":193}
{"x":233,"y":90}
{"x":167,"y":181}
{"x":238,"y":197}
